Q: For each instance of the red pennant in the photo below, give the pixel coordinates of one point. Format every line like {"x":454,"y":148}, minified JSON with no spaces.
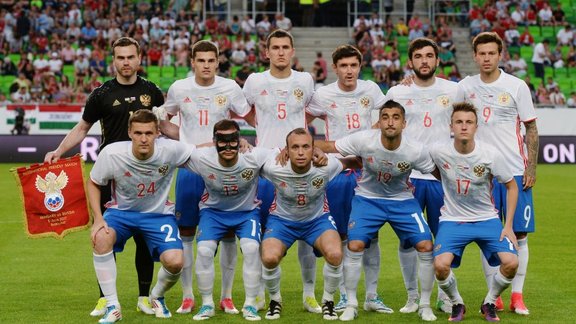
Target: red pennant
{"x":53,"y":197}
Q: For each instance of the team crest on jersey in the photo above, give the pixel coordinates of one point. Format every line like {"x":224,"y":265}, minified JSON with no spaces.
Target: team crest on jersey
{"x":479,"y":170}
{"x":403,"y":166}
{"x":247,"y":174}
{"x":365,"y":102}
{"x":220,"y":100}
{"x":443,"y":100}
{"x":178,"y":215}
{"x":298,"y":94}
{"x":52,"y":187}
{"x":318,"y":182}
{"x":163,"y":170}
{"x":146,"y":100}
{"x":504,"y":99}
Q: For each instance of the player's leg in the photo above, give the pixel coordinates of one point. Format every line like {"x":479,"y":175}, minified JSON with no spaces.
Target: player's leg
{"x":326,"y":239}
{"x":248,"y":230}
{"x":228,"y":258}
{"x":205,"y":277}
{"x":145,"y":270}
{"x":266,"y":196}
{"x":189,"y":189}
{"x":499,"y":195}
{"x":277,"y":239}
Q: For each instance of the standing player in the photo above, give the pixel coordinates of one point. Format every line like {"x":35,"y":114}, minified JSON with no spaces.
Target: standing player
{"x":504,"y":101}
{"x":112,"y":104}
{"x":427,"y":104}
{"x":229,"y":203}
{"x":300,"y":212}
{"x":346,"y":106}
{"x":141,"y":171}
{"x":384,"y":194}
{"x":467,"y":168}
{"x":201,"y":101}
{"x":278,"y":97}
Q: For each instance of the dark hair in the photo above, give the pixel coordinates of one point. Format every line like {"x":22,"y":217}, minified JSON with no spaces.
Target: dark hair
{"x":392,"y":104}
{"x":279,"y":33}
{"x":143,"y":116}
{"x":464,"y":107}
{"x":123,"y":42}
{"x":226,"y":124}
{"x":204,"y":46}
{"x":485,"y":38}
{"x":345,"y":51}
{"x":420,"y":43}
{"x":298,"y":131}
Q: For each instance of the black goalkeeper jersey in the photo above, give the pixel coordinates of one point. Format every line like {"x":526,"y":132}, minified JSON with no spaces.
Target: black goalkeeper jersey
{"x":112,"y":104}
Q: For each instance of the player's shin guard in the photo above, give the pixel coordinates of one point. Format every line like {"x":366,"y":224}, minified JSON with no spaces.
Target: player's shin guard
{"x":105,"y":267}
{"x":371,"y":263}
{"x":228,"y":257}
{"x":187,"y":277}
{"x":205,"y":270}
{"x":450,"y":287}
{"x":272,"y":280}
{"x":489,"y":271}
{"x":352,"y":268}
{"x":409,"y":265}
{"x":307,"y":261}
{"x":426,"y":275}
{"x":165,"y":281}
{"x":332,"y":275}
{"x":251,"y":269}
{"x":523,"y":255}
{"x":499,"y":284}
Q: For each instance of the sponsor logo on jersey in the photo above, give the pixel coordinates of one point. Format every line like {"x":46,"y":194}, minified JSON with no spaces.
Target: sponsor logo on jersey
{"x":211,"y":176}
{"x":472,"y":95}
{"x":51,"y":187}
{"x":146,"y":100}
{"x":163,"y":170}
{"x":403,"y":166}
{"x":264,"y":93}
{"x":130,"y":99}
{"x":298,"y":94}
{"x":333,"y":105}
{"x":479,"y":170}
{"x":127,"y":174}
{"x":409,"y":102}
{"x":370,"y":159}
{"x":365,"y":102}
{"x":187,"y":100}
{"x":446,"y":166}
{"x":247,"y":174}
{"x":220,"y":100}
{"x":504,"y":99}
{"x":318,"y":182}
{"x":116,"y":103}
{"x":443,"y":101}
{"x":283,"y":184}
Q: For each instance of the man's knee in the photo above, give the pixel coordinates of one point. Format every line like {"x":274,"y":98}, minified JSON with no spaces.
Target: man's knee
{"x":356,"y":246}
{"x":441,"y":268}
{"x":172,"y":260}
{"x":424,"y":246}
{"x":509,"y":265}
{"x":187,"y":230}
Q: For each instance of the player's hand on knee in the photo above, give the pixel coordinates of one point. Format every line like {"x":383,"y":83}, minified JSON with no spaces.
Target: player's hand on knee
{"x":97,"y":227}
{"x":509,"y":233}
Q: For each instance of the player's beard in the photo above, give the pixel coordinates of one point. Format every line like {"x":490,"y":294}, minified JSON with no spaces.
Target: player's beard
{"x":427,"y":76}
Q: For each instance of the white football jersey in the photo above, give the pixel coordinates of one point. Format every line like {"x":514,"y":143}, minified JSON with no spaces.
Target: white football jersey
{"x":300,"y":197}
{"x":202,"y":107}
{"x":346,"y":112}
{"x":501,"y":106}
{"x":137,"y":185}
{"x":428,"y":111}
{"x":233,"y":188}
{"x":279,"y":104}
{"x":467,"y":181}
{"x":385,"y":173}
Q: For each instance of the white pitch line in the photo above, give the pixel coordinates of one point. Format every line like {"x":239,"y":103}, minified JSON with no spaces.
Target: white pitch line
{"x":27,"y":150}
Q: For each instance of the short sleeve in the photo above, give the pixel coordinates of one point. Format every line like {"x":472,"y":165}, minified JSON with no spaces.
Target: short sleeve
{"x":101,"y":171}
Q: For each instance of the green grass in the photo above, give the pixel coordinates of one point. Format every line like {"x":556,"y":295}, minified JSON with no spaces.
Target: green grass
{"x":48,"y":280}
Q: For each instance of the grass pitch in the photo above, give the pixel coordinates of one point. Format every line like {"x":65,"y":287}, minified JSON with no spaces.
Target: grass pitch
{"x":52,"y":281}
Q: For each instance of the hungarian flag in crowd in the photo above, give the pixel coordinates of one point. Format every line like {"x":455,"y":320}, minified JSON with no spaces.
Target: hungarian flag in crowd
{"x":53,"y":197}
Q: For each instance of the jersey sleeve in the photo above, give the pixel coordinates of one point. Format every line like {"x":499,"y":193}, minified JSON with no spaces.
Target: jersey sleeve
{"x":248,"y":89}
{"x":101,"y":172}
{"x":500,"y":169}
{"x":334,"y":167}
{"x":181,"y":152}
{"x":93,"y":111}
{"x":171,"y":105}
{"x":524,"y":103}
{"x":461,"y":93}
{"x":193,"y":163}
{"x":264,"y":154}
{"x":158,"y":96}
{"x":315,"y":107}
{"x":379,"y":98}
{"x":309,"y":85}
{"x":239,"y":104}
{"x":425,"y":164}
{"x":350,"y":145}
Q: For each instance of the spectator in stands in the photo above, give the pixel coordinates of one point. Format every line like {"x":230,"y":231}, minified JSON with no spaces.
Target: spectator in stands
{"x":238,"y":56}
{"x":542,"y":95}
{"x":565,"y":36}
{"x":8,"y":67}
{"x":401,"y":27}
{"x":167,"y":56}
{"x":82,"y":49}
{"x":223,"y":66}
{"x":223,"y":28}
{"x":197,"y":28}
{"x":415,"y":22}
{"x":558,"y":14}
{"x":235,"y":26}
{"x":64,"y":93}
{"x":517,"y":66}
{"x":74,"y":14}
{"x":5,"y":101}
{"x":21,"y":96}
{"x":518,"y":16}
{"x":23,"y":28}
{"x":296,"y":66}
{"x":318,"y":74}
{"x":454,"y":75}
{"x":376,"y":31}
{"x":93,"y":83}
{"x":55,"y":64}
{"x":531,"y":17}
{"x":211,"y":24}
{"x":550,"y":84}
{"x":154,"y":55}
{"x":479,"y":25}
{"x":540,"y":57}
{"x":81,"y":67}
{"x":283,"y":22}
{"x":143,"y":22}
{"x":248,"y":25}
{"x":360,"y":20}
{"x":526,"y":38}
{"x":41,"y":64}
{"x":557,"y":97}
{"x":264,"y":26}
{"x":88,"y":32}
{"x":512,"y":37}
{"x":545,"y":15}
{"x":571,"y":57}
{"x":415,"y":33}
{"x":445,"y":57}
{"x":571,"y":101}
{"x":242,"y":75}
{"x":97,"y":64}
{"x":556,"y":57}
{"x":375,"y":19}
{"x":73,"y":33}
{"x":36,"y":90}
{"x":531,"y":87}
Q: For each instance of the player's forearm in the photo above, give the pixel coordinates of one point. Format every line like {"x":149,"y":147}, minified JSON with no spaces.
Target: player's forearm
{"x":532,"y":143}
{"x":93,"y":192}
{"x":511,"y":201}
{"x":74,"y":137}
{"x":326,"y":146}
{"x":170,"y":130}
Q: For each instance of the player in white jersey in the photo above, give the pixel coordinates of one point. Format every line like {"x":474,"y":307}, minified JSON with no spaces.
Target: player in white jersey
{"x":229,"y":204}
{"x":201,"y":101}
{"x":346,"y":107}
{"x":428,"y":103}
{"x":504,"y":103}
{"x":384,"y":194}
{"x":141,"y":172}
{"x":467,"y":168}
{"x":279,"y":97}
{"x":300,"y":212}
